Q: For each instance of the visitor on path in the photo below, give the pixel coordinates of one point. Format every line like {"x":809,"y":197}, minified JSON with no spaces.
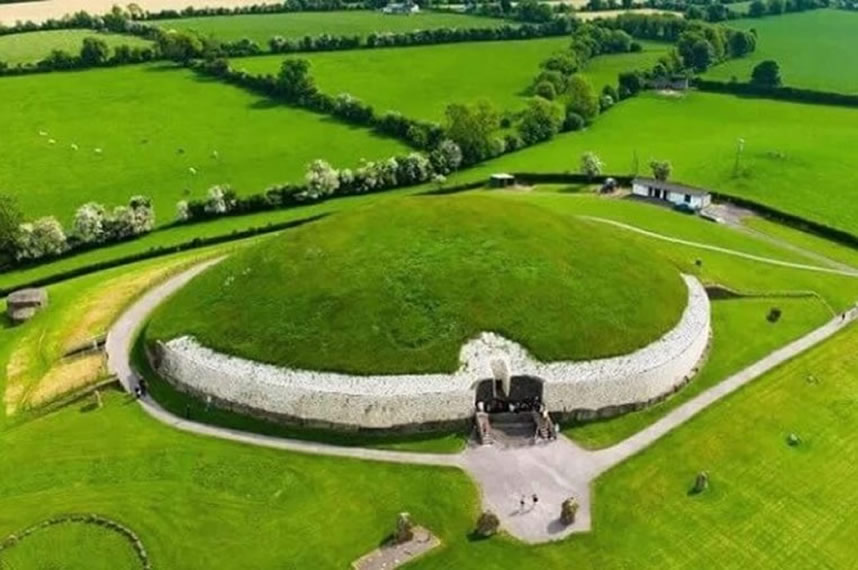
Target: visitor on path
{"x":535,"y":500}
{"x":521,"y":504}
{"x":187,"y":411}
{"x":142,"y":385}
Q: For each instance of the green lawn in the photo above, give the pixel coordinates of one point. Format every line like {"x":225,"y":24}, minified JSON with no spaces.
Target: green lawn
{"x":263,"y":27}
{"x":812,"y":48}
{"x":797,"y":158}
{"x":400,"y":288}
{"x":421,"y":81}
{"x":32,"y":46}
{"x":153,"y":124}
{"x":71,"y":546}
{"x":833,"y":251}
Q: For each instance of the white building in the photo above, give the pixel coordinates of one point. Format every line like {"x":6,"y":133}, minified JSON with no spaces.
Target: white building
{"x":677,"y":194}
{"x":401,"y":8}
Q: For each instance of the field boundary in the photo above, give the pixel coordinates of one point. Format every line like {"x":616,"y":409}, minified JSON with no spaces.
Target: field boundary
{"x":783,"y":93}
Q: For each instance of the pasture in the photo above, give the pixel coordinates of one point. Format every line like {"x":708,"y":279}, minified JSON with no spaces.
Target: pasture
{"x":795,"y":157}
{"x":153,"y":124}
{"x":261,"y":28}
{"x":151,"y":477}
{"x":421,"y":81}
{"x":812,"y":48}
{"x":31,"y":47}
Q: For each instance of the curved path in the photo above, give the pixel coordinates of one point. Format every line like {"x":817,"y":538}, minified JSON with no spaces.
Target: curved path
{"x":733,"y":252}
{"x":553,"y":471}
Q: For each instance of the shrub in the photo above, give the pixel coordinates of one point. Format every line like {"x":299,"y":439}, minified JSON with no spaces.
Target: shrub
{"x":574,"y":121}
{"x":540,"y":121}
{"x":322,"y":180}
{"x":591,"y":164}
{"x":446,"y":158}
{"x":568,"y":510}
{"x":661,"y":169}
{"x":766,"y":74}
{"x":545,"y":90}
{"x":774,"y":315}
{"x":42,"y":238}
{"x":88,"y":224}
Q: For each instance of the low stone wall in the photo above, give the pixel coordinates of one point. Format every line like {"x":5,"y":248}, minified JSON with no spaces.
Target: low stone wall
{"x":580,"y":388}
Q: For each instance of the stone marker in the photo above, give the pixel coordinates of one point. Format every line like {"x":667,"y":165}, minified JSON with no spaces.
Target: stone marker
{"x":488,"y":524}
{"x":793,"y":440}
{"x":404,"y":528}
{"x":701,"y":482}
{"x":568,"y":510}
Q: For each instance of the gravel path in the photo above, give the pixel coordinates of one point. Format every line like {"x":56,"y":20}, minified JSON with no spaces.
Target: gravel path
{"x":552,"y":471}
{"x":752,"y":257}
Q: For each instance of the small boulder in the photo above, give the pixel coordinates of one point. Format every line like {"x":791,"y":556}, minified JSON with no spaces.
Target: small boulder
{"x":793,"y":440}
{"x":488,"y":524}
{"x":701,"y":482}
{"x":568,"y":510}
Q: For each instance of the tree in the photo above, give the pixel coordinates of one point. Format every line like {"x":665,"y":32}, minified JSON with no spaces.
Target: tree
{"x":540,"y":121}
{"x":757,"y":9}
{"x":216,"y":202}
{"x":446,"y":158}
{"x":630,"y":83}
{"x":545,"y":90}
{"x":88,"y":225}
{"x":766,"y":74}
{"x":696,"y":50}
{"x":42,"y":238}
{"x":10,"y":219}
{"x":94,"y":52}
{"x":533,"y":11}
{"x":179,"y":46}
{"x":776,"y":7}
{"x":661,"y":169}
{"x":471,"y":127}
{"x":143,"y":214}
{"x":322,"y":180}
{"x":564,"y":62}
{"x":741,"y":43}
{"x":591,"y":164}
{"x":488,"y":524}
{"x":294,"y":80}
{"x":582,"y":98}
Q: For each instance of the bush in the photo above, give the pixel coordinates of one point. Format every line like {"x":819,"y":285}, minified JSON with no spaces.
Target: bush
{"x":568,"y":510}
{"x":43,"y":238}
{"x":574,"y":121}
{"x":591,"y":165}
{"x":774,"y":315}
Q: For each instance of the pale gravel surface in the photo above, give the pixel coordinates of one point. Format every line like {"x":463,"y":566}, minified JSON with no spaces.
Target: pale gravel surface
{"x":56,"y":9}
{"x":553,"y":471}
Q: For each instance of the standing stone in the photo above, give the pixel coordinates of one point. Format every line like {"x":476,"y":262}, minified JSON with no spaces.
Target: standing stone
{"x":404,"y":529}
{"x":701,"y":482}
{"x":568,"y":510}
{"x":488,"y":524}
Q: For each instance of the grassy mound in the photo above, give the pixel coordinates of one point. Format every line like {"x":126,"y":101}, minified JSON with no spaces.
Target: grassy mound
{"x":399,"y":288}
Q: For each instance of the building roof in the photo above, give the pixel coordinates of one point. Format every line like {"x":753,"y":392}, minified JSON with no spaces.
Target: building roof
{"x":502,"y":176}
{"x":670,"y":186}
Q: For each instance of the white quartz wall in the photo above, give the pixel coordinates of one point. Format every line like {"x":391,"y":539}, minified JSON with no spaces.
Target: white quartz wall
{"x":396,"y":400}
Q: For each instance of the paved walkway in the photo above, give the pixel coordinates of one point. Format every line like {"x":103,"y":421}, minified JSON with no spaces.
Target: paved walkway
{"x":553,"y":471}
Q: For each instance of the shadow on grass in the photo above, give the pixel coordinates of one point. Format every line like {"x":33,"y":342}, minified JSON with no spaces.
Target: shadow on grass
{"x":186,"y":406}
{"x":475,"y":536}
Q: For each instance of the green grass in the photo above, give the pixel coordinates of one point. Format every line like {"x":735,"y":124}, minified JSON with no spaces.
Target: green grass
{"x":71,"y":546}
{"x":421,"y":81}
{"x":153,"y":124}
{"x":263,"y":27}
{"x":741,"y":335}
{"x":33,"y":46}
{"x":836,"y":252}
{"x":400,"y":288}
{"x":812,"y":49}
{"x":797,"y":158}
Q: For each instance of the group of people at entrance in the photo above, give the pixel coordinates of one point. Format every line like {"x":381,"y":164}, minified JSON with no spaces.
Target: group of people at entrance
{"x":498,"y":406}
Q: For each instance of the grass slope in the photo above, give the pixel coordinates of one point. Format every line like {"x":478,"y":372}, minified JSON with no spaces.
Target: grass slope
{"x":33,"y":46}
{"x":797,"y":158}
{"x":153,"y":124}
{"x":806,"y":45}
{"x":71,"y":546}
{"x":400,"y":288}
{"x":263,"y":27}
{"x":421,"y":81}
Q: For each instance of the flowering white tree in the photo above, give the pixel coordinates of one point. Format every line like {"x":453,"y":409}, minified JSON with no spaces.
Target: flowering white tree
{"x":413,"y":168}
{"x":591,"y":164}
{"x":216,"y":202}
{"x":346,"y":178}
{"x":119,"y":225}
{"x":41,"y":238}
{"x":143,"y":214}
{"x":447,"y":157}
{"x":322,"y":180}
{"x":182,"y":213}
{"x":88,"y":223}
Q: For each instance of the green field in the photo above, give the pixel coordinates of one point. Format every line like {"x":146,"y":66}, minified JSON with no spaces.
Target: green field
{"x":812,"y":48}
{"x":33,"y":46}
{"x":201,"y":503}
{"x":71,"y":546}
{"x":153,"y":124}
{"x":262,"y":28}
{"x":797,"y":158}
{"x":403,"y":286}
{"x":421,"y":81}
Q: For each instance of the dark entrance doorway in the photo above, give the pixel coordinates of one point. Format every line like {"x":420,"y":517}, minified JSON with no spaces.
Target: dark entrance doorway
{"x":525,"y":394}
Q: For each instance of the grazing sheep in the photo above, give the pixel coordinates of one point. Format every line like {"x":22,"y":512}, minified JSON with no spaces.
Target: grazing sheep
{"x":98,"y":151}
{"x":215,"y":154}
{"x":43,"y":133}
{"x":52,"y":141}
{"x":181,"y":151}
{"x":192,"y":170}
{"x":74,"y":146}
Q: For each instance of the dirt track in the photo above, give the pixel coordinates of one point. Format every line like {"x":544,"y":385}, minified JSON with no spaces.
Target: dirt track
{"x":40,"y":11}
